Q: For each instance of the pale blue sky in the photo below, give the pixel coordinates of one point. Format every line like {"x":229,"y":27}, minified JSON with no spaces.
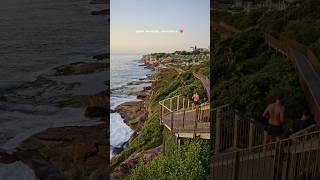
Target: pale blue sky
{"x":128,"y":16}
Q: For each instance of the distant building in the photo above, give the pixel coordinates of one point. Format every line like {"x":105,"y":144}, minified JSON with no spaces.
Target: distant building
{"x":250,"y":5}
{"x":201,"y":50}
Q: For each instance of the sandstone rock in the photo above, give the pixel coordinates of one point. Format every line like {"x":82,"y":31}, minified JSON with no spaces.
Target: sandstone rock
{"x":143,"y":95}
{"x":152,"y":153}
{"x":80,"y":68}
{"x":133,"y":113}
{"x":147,"y":88}
{"x":125,"y":167}
{"x":100,"y":99}
{"x":95,"y":111}
{"x":139,"y":82}
{"x":7,"y":158}
{"x":67,"y":153}
{"x":101,"y":56}
{"x":150,"y":60}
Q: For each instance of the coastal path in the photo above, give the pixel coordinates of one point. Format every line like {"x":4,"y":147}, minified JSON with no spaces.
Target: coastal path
{"x":184,"y":119}
{"x":307,"y":66}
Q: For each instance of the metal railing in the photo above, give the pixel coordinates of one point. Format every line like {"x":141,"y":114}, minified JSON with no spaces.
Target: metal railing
{"x":294,"y":158}
{"x":179,"y":114}
{"x":234,"y":130}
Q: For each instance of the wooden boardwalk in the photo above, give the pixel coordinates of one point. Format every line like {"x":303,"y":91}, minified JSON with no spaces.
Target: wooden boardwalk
{"x":297,"y":157}
{"x":292,"y":158}
{"x":304,"y":60}
{"x":307,"y":66}
{"x":184,"y":119}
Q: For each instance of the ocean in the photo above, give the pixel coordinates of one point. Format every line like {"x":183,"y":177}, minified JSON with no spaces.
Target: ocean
{"x":35,"y":37}
{"x":124,"y":69}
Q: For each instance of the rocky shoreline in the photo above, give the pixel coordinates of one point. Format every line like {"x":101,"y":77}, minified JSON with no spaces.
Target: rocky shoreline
{"x":68,"y":152}
{"x":135,"y":113}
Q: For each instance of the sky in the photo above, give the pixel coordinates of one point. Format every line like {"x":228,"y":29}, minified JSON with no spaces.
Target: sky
{"x":131,"y":19}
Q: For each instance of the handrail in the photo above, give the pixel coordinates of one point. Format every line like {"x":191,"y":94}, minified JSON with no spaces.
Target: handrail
{"x":285,"y":46}
{"x":291,"y":158}
{"x":308,"y":129}
{"x":237,"y":131}
{"x":180,"y":115}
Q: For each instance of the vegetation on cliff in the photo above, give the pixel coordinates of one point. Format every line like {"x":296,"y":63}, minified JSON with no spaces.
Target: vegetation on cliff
{"x":191,"y":160}
{"x":301,"y":23}
{"x":248,"y":74}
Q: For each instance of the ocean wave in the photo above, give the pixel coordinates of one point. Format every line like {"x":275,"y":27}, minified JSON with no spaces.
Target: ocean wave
{"x":116,"y":101}
{"x":120,"y":133}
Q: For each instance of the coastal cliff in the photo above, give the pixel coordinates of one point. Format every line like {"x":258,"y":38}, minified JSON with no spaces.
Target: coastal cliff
{"x":150,"y":59}
{"x":157,"y":59}
{"x":145,"y":148}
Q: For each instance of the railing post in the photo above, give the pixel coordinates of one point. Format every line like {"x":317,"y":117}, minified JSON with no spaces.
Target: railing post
{"x":170,"y":106}
{"x":195,"y":121}
{"x":237,"y":166}
{"x":179,"y":143}
{"x":162,"y":114}
{"x":184,"y":115}
{"x":265,"y":139}
{"x":172,"y":122}
{"x":218,"y":131}
{"x":235,"y":131}
{"x":251,"y":134}
{"x":183,"y":103}
{"x":188,"y":103}
{"x":177,"y":103}
{"x":278,"y":161}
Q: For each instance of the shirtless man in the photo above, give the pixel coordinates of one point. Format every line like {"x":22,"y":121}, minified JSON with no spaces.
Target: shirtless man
{"x":275,"y":113}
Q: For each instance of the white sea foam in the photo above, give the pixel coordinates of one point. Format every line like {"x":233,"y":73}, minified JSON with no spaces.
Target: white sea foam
{"x":19,"y":126}
{"x":116,"y":101}
{"x":124,"y":69}
{"x":119,"y":131}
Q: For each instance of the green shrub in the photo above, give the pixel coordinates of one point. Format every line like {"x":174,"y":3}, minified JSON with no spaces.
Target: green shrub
{"x":191,"y":162}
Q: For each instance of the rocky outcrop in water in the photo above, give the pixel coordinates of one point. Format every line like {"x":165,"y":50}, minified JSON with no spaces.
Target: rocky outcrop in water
{"x":65,"y":152}
{"x":134,"y":114}
{"x":80,"y":68}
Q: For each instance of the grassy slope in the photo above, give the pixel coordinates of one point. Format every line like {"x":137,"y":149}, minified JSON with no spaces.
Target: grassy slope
{"x":170,"y":83}
{"x":256,"y":73}
{"x":300,"y":23}
{"x":191,"y":162}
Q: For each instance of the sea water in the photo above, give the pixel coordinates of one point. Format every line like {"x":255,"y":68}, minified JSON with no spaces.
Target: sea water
{"x":35,"y":36}
{"x":124,"y":68}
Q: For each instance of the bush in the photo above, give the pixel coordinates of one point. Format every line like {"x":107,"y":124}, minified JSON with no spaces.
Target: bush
{"x":191,"y":162}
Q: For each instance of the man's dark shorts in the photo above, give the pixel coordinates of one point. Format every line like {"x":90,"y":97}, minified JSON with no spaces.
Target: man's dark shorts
{"x":273,"y":130}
